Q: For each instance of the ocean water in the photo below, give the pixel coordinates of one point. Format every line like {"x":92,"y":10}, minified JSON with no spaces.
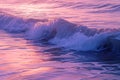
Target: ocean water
{"x":92,"y":13}
{"x":59,"y":40}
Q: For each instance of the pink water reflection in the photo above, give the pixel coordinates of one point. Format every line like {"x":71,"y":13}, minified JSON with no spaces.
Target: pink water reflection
{"x":60,"y":9}
{"x":20,"y":60}
{"x":19,"y":57}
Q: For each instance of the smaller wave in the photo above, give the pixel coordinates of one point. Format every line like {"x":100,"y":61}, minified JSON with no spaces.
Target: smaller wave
{"x":104,"y":8}
{"x":14,"y":24}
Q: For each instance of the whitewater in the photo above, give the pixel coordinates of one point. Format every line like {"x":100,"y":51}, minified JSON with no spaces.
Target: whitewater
{"x":59,"y":40}
{"x":61,"y":33}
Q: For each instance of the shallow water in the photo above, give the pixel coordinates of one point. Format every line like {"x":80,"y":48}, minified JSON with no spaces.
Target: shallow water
{"x":22,"y":60}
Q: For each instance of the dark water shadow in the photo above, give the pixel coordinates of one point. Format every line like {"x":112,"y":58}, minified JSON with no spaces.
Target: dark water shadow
{"x":57,"y":53}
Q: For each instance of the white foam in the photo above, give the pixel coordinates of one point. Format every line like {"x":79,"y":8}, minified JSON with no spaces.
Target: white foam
{"x":60,"y":32}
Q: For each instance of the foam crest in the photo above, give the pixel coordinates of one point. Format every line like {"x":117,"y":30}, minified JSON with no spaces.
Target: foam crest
{"x":61,"y":33}
{"x":82,"y":42}
{"x":57,"y":29}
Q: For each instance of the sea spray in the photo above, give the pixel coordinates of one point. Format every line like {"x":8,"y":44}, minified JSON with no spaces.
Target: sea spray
{"x":60,"y":32}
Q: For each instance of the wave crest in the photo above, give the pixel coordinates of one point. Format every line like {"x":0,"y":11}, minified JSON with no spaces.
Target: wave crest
{"x":62,"y":33}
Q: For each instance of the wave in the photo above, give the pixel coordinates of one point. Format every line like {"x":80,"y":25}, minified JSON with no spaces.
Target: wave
{"x":61,"y":33}
{"x":12,"y":23}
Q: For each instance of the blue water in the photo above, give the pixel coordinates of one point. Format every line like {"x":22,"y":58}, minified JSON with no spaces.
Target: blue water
{"x":27,"y":60}
{"x":59,"y":40}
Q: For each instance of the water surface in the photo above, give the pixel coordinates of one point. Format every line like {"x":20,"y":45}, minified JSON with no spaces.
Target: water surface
{"x":92,"y":13}
{"x":22,"y":59}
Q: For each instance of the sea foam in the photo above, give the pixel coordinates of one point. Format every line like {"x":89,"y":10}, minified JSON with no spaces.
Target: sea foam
{"x":61,"y":33}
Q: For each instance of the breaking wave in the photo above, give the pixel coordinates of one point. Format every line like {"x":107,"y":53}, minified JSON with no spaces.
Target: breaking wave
{"x":62,"y":33}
